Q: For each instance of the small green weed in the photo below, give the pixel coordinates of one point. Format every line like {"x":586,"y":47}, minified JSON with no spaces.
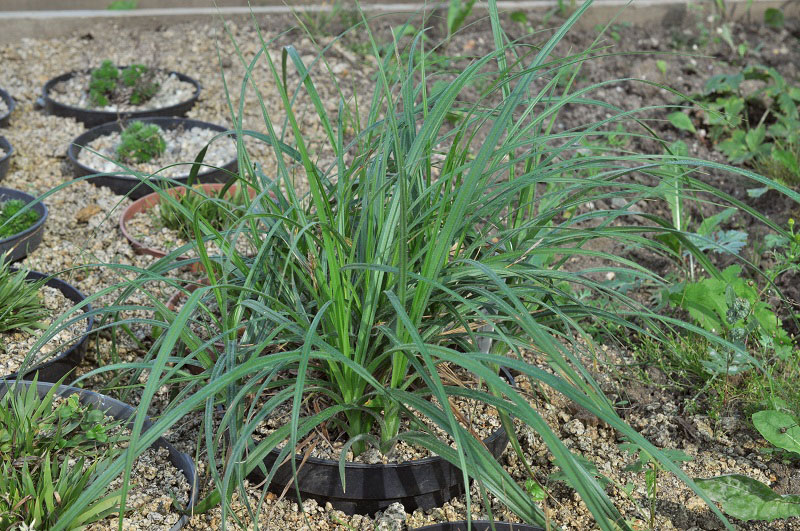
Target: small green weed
{"x":8,"y":209}
{"x":21,"y":308}
{"x":141,"y":142}
{"x":50,"y":450}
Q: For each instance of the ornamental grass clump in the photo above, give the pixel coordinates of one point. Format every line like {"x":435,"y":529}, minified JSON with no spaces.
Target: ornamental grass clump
{"x":51,"y":449}
{"x":14,"y":218}
{"x":141,"y":142}
{"x":21,"y":306}
{"x":418,"y":242}
{"x":216,"y":209}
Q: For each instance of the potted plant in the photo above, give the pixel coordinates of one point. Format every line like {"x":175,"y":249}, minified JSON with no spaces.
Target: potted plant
{"x":55,"y":441}
{"x":6,"y":108}
{"x":109,"y":92}
{"x":127,"y":153}
{"x":21,"y":223}
{"x":5,"y":156}
{"x":30,"y":302}
{"x":155,"y":225}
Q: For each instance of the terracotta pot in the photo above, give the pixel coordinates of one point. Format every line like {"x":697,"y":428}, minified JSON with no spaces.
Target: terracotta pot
{"x":149,"y":201}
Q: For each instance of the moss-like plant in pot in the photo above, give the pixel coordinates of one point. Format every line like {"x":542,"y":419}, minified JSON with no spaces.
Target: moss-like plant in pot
{"x":51,"y":449}
{"x":12,"y":220}
{"x":133,"y":83}
{"x":417,"y":241}
{"x":141,"y":142}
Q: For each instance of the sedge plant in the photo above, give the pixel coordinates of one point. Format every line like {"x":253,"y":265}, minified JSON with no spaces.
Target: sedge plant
{"x":418,"y":239}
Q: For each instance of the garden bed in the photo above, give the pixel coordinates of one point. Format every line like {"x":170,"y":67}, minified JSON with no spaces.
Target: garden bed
{"x":82,"y":230}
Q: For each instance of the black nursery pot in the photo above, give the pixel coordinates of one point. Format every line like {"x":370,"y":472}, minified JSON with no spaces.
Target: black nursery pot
{"x":23,"y":243}
{"x":5,"y":160}
{"x":4,"y":118}
{"x":91,"y":117}
{"x":420,"y":484}
{"x":122,"y":411}
{"x":478,"y":525}
{"x":132,"y":186}
{"x":65,"y":361}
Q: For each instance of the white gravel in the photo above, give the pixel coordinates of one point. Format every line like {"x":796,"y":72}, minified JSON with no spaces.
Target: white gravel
{"x":183,"y":145}
{"x":75,"y":92}
{"x":2,"y":152}
{"x":3,"y":108}
{"x":15,"y":345}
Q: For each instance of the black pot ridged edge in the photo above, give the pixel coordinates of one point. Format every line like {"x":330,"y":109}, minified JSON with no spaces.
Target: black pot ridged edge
{"x":57,"y":367}
{"x":5,"y":96}
{"x":423,"y":484}
{"x":122,"y":411}
{"x":91,"y":118}
{"x":23,"y":243}
{"x":5,"y":161}
{"x":478,"y":525}
{"x":130,"y":185}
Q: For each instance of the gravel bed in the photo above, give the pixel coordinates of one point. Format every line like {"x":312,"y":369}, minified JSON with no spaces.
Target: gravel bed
{"x":183,"y":145}
{"x":15,"y":345}
{"x":154,"y":483}
{"x":75,"y":92}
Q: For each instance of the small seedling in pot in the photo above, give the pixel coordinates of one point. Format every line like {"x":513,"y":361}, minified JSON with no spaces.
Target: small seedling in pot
{"x":51,"y":449}
{"x":9,"y":226}
{"x":141,"y":143}
{"x":215,"y":209}
{"x":21,"y":306}
{"x":103,"y":83}
{"x":138,"y":78}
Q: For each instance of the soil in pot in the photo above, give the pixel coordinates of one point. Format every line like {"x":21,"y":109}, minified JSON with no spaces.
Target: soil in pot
{"x":410,"y":475}
{"x":17,"y":338}
{"x":182,"y":145}
{"x":74,"y":424}
{"x":164,"y":89}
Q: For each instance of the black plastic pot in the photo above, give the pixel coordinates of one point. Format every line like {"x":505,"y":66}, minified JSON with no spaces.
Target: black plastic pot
{"x":132,"y":186}
{"x":478,"y":525}
{"x":23,"y":243}
{"x":122,"y":411}
{"x":422,"y":484}
{"x":5,"y":160}
{"x":4,"y":118}
{"x":64,"y":362}
{"x":91,"y":117}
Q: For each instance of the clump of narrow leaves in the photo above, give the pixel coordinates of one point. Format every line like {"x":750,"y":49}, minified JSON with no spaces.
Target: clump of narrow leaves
{"x":51,"y":449}
{"x":141,"y":143}
{"x":10,"y":227}
{"x":21,"y":307}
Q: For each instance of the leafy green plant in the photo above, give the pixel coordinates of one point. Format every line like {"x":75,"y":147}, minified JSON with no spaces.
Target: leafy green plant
{"x":123,"y":5}
{"x":21,"y":307}
{"x":785,"y":251}
{"x":749,"y":499}
{"x":14,"y":218}
{"x":773,"y":17}
{"x":103,"y":83}
{"x":457,"y":13}
{"x":758,"y":126}
{"x":51,"y":449}
{"x":141,"y":142}
{"x":732,"y":308}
